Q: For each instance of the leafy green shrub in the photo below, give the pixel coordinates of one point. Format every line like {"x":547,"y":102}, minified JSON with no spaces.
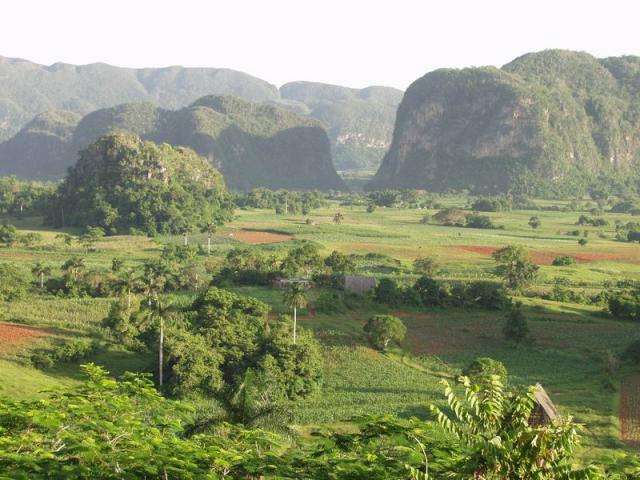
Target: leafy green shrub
{"x":330,"y":302}
{"x":426,"y":266}
{"x":42,"y":360}
{"x":453,"y":217}
{"x":387,"y":292}
{"x":516,"y":266}
{"x":492,"y":204}
{"x":485,"y":295}
{"x":431,"y":292}
{"x":383,"y":329}
{"x":479,"y":221}
{"x":563,"y":261}
{"x":482,"y":368}
{"x":68,"y":352}
{"x":534,"y":222}
{"x":8,"y":234}
{"x":516,"y":328}
{"x":625,"y":306}
{"x":13,"y":282}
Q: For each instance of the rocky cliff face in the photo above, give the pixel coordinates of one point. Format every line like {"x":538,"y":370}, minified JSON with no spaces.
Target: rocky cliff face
{"x":251,"y":144}
{"x":545,"y":116}
{"x":360,"y":122}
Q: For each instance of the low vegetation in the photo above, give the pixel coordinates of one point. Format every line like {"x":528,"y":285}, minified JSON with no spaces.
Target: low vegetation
{"x":248,"y":375}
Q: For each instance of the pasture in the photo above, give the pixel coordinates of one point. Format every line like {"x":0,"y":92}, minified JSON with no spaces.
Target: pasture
{"x":567,"y":356}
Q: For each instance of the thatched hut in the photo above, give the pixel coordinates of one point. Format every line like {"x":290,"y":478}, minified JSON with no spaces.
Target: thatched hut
{"x":544,"y":411}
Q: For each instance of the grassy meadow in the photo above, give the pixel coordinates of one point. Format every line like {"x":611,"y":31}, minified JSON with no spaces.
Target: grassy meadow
{"x":571,"y":340}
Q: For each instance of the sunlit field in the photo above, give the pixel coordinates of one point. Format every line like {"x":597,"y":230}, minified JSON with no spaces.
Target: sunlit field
{"x":571,"y":340}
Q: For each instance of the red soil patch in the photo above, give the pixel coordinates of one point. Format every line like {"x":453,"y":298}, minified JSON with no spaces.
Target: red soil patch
{"x":256,"y":237}
{"x":14,"y":336}
{"x":480,"y":249}
{"x":546,"y":257}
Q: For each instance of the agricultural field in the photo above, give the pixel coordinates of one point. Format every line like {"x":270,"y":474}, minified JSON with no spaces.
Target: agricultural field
{"x":568,"y":354}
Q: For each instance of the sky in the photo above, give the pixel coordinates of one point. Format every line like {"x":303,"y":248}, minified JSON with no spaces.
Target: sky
{"x":356,"y":43}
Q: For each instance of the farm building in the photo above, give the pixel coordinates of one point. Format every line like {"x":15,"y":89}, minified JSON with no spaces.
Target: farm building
{"x":359,"y":283}
{"x":544,"y":411}
{"x":286,"y":282}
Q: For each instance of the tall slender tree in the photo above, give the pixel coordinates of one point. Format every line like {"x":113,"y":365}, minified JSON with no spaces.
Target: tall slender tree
{"x":127,"y":282}
{"x":210,"y":229}
{"x":295,"y":297}
{"x":40,"y":270}
{"x":153,"y":280}
{"x":186,"y":231}
{"x":157,"y":314}
{"x":73,"y":267}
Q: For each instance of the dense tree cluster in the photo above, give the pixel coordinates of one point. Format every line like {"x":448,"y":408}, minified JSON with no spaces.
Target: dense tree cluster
{"x":383,"y":329}
{"x":125,"y":185}
{"x":19,"y":197}
{"x":429,"y":292}
{"x":455,"y":217}
{"x":625,"y":305}
{"x":211,"y":344}
{"x":492,"y":204}
{"x":282,"y":201}
{"x":515,"y":266}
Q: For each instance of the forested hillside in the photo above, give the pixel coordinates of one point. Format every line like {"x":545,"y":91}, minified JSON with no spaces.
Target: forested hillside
{"x":251,"y":144}
{"x":547,"y":122}
{"x":27,"y":89}
{"x":360,"y":122}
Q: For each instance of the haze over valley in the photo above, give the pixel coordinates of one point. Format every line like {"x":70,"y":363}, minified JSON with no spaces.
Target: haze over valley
{"x":345,"y":241}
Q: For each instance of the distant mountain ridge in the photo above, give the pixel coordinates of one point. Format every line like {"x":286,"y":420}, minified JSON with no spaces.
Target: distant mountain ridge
{"x":360,"y":122}
{"x":548,"y":119}
{"x":27,"y":89}
{"x":251,"y":144}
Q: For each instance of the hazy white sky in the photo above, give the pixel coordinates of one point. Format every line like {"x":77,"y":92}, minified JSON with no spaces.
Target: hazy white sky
{"x":353,"y":43}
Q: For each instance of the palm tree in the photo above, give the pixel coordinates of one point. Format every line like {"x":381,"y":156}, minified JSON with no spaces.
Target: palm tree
{"x":153,"y":280}
{"x":209,"y":228}
{"x":127,"y":282}
{"x":73,"y":267}
{"x":338,"y":218}
{"x":66,"y":238}
{"x":185,"y":234}
{"x":295,"y":297}
{"x":157,"y":315}
{"x":41,"y":270}
{"x":257,"y":402}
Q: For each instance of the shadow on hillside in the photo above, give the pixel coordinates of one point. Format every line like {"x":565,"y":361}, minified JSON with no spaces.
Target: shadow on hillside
{"x":116,"y":362}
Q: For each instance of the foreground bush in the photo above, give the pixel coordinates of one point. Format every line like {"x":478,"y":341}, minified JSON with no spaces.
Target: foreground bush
{"x":109,"y":429}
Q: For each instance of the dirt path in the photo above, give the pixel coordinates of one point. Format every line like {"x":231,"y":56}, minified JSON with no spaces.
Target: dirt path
{"x":630,"y":410}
